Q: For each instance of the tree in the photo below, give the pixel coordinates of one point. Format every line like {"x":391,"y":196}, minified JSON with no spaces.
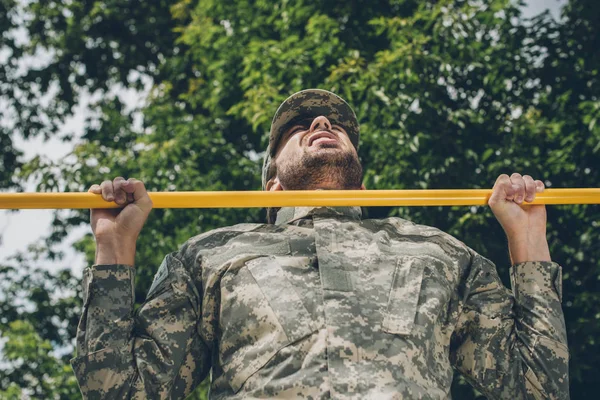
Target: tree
{"x":37,"y":372}
{"x":8,"y":155}
{"x":38,"y":318}
{"x":449,"y":94}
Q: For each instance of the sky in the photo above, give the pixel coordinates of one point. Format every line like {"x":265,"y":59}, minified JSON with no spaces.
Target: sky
{"x":23,"y":228}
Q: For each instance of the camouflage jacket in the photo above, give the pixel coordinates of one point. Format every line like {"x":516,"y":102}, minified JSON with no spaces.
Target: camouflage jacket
{"x":324,"y":304}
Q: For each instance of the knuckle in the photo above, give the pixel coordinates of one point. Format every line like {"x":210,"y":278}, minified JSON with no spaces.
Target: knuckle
{"x":507,"y":186}
{"x":118,"y":183}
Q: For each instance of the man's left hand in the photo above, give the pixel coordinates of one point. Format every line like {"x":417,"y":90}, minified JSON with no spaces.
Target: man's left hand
{"x":525,"y":225}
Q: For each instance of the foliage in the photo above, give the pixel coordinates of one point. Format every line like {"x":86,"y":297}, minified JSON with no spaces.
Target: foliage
{"x":42,"y":374}
{"x":449,"y":93}
{"x":8,"y":154}
{"x":38,"y":317}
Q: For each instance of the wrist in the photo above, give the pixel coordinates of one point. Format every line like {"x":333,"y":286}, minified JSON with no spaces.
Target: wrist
{"x":115,"y":252}
{"x":532,"y":247}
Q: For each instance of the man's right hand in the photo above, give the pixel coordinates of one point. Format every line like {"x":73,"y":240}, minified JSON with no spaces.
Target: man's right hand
{"x":116,"y":230}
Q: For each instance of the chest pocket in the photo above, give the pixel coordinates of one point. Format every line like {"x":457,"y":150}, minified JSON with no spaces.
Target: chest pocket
{"x":261,"y":313}
{"x":419,"y":293}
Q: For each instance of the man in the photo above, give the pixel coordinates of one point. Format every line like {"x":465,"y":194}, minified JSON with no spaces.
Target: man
{"x":322,"y":303}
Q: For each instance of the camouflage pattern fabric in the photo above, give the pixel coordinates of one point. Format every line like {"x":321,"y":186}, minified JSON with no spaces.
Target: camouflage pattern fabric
{"x":324,"y":304}
{"x":308,"y":103}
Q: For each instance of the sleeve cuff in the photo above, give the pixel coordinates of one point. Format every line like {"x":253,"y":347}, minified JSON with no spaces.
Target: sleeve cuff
{"x":106,"y":278}
{"x":108,"y":305}
{"x":537,"y":278}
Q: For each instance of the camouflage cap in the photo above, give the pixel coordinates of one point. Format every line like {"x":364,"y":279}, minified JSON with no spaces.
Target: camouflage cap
{"x":308,"y":103}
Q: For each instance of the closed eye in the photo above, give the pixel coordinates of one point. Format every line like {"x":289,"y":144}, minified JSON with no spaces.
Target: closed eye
{"x":296,"y":129}
{"x":338,"y":128}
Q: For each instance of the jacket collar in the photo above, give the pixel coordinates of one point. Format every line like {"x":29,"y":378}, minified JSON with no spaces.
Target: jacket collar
{"x":291,"y":214}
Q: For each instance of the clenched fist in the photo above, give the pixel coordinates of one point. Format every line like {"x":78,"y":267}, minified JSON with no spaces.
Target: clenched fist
{"x":524,"y":225}
{"x":116,"y":230}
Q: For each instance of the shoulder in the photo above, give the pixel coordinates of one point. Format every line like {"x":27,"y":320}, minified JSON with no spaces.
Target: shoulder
{"x":408,"y":230}
{"x":215,"y":238}
{"x":406,"y":227}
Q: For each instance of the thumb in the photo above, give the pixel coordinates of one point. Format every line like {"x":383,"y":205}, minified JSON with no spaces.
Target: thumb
{"x":136,"y":188}
{"x":503,"y":190}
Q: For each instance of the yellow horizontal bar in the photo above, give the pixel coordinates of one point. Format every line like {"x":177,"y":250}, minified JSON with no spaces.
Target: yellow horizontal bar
{"x":444,"y":197}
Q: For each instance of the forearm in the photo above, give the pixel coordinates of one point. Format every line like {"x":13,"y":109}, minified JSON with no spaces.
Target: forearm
{"x":107,"y":318}
{"x":537,"y":288}
{"x":121,"y":354}
{"x":104,"y":331}
{"x":532,"y":246}
{"x":514,"y":346}
{"x":115,"y":251}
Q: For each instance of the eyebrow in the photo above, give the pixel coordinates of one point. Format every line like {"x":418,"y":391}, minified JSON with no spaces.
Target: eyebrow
{"x":302,"y":121}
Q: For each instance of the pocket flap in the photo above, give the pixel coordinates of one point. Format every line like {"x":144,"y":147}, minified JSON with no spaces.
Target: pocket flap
{"x":404,"y":296}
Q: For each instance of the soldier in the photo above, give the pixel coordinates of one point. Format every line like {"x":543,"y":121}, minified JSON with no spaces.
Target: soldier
{"x":318,"y":302}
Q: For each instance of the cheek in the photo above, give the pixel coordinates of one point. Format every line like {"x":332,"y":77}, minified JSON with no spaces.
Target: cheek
{"x":289,"y":150}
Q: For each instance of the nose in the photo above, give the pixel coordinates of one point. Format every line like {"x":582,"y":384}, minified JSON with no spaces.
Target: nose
{"x":320,"y":122}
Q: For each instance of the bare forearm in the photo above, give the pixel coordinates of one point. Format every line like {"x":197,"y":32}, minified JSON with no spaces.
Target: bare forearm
{"x":115,"y":253}
{"x":531,"y":247}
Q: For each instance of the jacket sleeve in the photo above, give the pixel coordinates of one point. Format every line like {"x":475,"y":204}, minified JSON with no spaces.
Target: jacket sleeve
{"x":154,"y":352}
{"x":513,"y":346}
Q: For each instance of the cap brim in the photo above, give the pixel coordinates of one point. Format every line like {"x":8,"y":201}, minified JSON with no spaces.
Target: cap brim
{"x":312,"y":103}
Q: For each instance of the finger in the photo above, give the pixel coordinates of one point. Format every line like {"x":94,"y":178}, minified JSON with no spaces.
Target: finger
{"x":107,"y":190}
{"x":508,"y":190}
{"x":137,"y":189}
{"x":539,"y":186}
{"x":502,"y":190}
{"x":95,"y":188}
{"x":120,"y":195}
{"x":529,"y":188}
{"x":519,"y":185}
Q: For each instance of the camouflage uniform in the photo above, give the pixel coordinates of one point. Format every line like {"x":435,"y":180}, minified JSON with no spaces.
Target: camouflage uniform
{"x":324,"y":304}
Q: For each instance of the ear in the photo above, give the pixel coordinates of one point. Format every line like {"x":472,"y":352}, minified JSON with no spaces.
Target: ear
{"x":273,"y":185}
{"x":362,"y":187}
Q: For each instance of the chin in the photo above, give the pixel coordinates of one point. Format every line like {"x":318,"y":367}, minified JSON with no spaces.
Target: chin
{"x":324,"y":150}
{"x":326,"y":167}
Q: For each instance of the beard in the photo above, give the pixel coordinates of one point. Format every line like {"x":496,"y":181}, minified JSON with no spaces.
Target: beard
{"x":330,"y":168}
